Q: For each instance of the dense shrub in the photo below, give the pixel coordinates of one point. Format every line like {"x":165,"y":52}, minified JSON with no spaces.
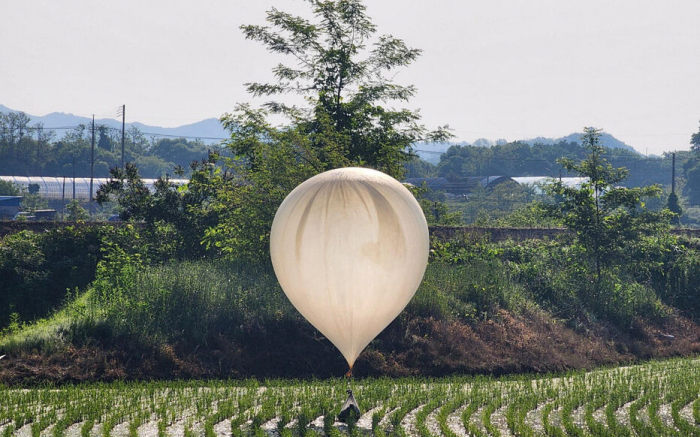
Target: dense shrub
{"x":471,"y":291}
{"x":38,"y":269}
{"x":558,"y":276}
{"x":671,"y":266}
{"x":681,"y":288}
{"x":137,"y":291}
{"x":187,"y":300}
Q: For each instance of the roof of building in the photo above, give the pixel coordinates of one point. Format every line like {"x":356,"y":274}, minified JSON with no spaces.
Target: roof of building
{"x":10,"y":200}
{"x":458,"y":187}
{"x":535,"y":180}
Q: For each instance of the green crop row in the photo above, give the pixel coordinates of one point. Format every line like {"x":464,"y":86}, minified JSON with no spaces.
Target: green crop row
{"x":653,"y":399}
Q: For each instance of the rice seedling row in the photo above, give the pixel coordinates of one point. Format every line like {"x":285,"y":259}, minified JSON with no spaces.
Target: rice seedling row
{"x":653,"y":399}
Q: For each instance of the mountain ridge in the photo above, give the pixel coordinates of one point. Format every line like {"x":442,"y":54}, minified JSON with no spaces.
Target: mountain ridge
{"x":208,"y":130}
{"x":431,"y":151}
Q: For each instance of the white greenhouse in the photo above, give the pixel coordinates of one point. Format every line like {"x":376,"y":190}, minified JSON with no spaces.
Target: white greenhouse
{"x":537,"y":182}
{"x":69,"y":188}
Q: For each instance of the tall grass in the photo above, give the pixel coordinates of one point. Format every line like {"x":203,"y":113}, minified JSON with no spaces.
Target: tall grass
{"x":191,"y":300}
{"x":187,"y":300}
{"x":467,"y":291}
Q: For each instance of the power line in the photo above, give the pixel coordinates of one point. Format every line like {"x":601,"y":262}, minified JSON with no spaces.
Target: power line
{"x":618,"y":158}
{"x":183,"y":136}
{"x":511,"y":134}
{"x":114,"y":129}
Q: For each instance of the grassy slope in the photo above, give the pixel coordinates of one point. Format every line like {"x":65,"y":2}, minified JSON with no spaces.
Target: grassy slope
{"x":214,"y":319}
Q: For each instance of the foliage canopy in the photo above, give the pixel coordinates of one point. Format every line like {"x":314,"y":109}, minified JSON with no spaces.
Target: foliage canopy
{"x":345,"y":83}
{"x":605,"y":217}
{"x":346,"y":120}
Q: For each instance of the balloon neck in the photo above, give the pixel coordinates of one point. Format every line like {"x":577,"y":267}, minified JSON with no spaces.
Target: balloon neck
{"x":349,"y":374}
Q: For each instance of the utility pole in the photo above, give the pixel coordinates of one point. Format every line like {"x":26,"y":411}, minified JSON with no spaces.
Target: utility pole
{"x":73,"y":177}
{"x":673,"y":173}
{"x":63,"y":197}
{"x":123,"y":122}
{"x":92,"y":156}
{"x":38,"y":143}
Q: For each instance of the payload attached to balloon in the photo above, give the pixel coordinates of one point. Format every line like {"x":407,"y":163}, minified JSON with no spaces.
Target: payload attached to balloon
{"x":349,"y":248}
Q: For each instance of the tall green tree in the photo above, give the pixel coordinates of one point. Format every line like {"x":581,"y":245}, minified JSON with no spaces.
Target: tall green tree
{"x":8,"y":188}
{"x":346,"y":84}
{"x":103,"y":141}
{"x":695,"y":141}
{"x":674,"y":205}
{"x":15,"y":142}
{"x":692,"y":171}
{"x":343,"y":72}
{"x":606,"y":218}
{"x":179,"y":151}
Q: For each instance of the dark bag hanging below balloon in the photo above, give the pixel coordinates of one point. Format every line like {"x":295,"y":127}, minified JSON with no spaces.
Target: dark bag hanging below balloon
{"x":350,"y":408}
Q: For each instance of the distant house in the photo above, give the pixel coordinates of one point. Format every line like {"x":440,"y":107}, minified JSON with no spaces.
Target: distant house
{"x":9,"y":206}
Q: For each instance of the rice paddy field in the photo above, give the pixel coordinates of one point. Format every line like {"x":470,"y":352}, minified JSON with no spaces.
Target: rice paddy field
{"x":653,"y":399}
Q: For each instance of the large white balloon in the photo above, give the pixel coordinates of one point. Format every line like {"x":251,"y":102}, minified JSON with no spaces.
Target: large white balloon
{"x":349,"y":248}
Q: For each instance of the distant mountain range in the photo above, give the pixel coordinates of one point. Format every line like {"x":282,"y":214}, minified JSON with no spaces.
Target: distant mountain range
{"x":606,"y":139}
{"x":209,"y":130}
{"x":431,"y":151}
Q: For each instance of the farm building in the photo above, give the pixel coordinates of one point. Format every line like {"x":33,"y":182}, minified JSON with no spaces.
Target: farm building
{"x":9,"y":206}
{"x":465,"y":186}
{"x":538,"y":181}
{"x":458,"y":188}
{"x":68,"y":188}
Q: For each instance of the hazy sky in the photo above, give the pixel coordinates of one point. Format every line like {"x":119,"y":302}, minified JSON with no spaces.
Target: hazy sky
{"x":490,"y":68}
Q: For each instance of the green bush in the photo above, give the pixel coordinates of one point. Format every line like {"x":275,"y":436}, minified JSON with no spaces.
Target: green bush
{"x":136,"y":294}
{"x":468,"y":277}
{"x":681,"y":288}
{"x":37,"y":270}
{"x":671,"y":266}
{"x":478,"y":276}
{"x":553,"y":276}
{"x":622,"y":301}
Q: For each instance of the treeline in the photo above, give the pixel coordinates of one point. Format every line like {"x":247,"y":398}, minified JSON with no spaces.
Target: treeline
{"x":516,"y":159}
{"x":28,"y":149}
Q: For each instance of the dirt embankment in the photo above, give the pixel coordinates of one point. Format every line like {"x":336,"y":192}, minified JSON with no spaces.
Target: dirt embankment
{"x":527,"y":342}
